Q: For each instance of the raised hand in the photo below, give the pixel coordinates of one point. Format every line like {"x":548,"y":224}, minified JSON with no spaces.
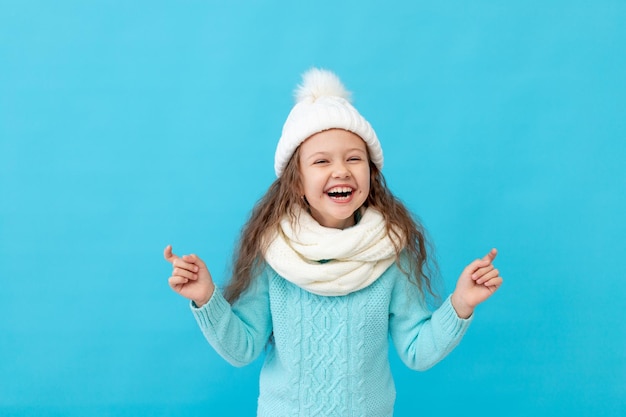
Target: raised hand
{"x":478,"y":281}
{"x":190,"y":277}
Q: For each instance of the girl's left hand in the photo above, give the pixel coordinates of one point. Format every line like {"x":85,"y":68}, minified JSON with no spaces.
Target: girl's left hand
{"x":478,"y":281}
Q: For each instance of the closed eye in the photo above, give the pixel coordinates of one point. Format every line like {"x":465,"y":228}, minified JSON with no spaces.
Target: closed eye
{"x":320,"y":161}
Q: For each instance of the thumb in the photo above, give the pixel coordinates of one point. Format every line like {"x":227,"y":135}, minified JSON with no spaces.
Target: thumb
{"x":168,"y":255}
{"x":491,"y":255}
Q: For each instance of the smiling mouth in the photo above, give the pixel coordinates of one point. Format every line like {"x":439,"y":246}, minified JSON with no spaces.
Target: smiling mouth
{"x":340,"y":193}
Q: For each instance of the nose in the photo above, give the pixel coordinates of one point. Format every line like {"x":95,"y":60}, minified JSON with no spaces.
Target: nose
{"x":340,"y":170}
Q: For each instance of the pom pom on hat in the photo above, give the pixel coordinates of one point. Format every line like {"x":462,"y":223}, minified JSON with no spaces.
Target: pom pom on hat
{"x":322,"y":103}
{"x":318,"y":83}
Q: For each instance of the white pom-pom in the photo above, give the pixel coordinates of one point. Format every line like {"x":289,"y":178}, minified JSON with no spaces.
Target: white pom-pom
{"x":318,"y":83}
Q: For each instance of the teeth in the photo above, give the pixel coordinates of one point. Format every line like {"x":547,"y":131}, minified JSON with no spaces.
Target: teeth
{"x":342,"y":190}
{"x":340,"y":193}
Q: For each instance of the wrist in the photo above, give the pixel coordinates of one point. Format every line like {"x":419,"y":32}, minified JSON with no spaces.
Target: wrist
{"x":202,"y":301}
{"x":463,"y":310}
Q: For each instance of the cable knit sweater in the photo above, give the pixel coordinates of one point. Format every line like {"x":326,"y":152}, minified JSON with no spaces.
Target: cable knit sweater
{"x":328,"y":356}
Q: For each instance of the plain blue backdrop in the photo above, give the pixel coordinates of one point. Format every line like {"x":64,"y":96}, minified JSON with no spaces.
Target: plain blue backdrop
{"x":125,"y":126}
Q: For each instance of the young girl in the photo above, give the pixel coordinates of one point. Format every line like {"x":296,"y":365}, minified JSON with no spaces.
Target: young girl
{"x":329,"y":267}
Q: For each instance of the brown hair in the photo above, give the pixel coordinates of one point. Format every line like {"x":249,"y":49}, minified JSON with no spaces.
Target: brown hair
{"x":284,"y":193}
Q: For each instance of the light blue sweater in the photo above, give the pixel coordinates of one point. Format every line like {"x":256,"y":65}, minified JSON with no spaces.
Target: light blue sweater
{"x":328,"y":356}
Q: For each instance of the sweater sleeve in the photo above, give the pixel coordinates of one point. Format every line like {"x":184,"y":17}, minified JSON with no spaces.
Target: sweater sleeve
{"x":422,"y":338}
{"x":239,"y":332}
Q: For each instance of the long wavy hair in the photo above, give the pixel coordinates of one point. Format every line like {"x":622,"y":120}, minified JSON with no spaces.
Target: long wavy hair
{"x":284,"y":194}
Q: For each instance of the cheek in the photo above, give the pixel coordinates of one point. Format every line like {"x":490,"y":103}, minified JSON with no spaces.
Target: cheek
{"x":364,"y":192}
{"x":312,"y":183}
{"x":308,"y":190}
{"x":365,"y":181}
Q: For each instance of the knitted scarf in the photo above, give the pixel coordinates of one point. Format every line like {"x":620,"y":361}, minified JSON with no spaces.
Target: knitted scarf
{"x":328,"y":261}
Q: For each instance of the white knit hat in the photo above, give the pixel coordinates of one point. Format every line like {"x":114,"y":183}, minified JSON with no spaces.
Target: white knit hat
{"x":322,"y":103}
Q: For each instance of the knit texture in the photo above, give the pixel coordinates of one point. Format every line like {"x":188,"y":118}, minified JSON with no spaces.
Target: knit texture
{"x":328,"y":356}
{"x":329,"y":261}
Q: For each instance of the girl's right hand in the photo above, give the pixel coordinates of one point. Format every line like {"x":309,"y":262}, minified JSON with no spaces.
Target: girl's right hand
{"x":190,"y":277}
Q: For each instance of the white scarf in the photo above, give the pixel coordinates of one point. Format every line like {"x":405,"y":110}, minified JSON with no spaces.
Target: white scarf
{"x":328,"y":261}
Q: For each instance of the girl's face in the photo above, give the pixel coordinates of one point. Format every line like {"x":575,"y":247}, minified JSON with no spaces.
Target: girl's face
{"x":335,"y":176}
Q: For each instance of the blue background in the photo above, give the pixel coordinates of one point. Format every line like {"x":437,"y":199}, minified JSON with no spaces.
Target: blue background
{"x":125,"y":126}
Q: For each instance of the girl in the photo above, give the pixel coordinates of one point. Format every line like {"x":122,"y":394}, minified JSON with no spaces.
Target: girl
{"x":328,"y":268}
